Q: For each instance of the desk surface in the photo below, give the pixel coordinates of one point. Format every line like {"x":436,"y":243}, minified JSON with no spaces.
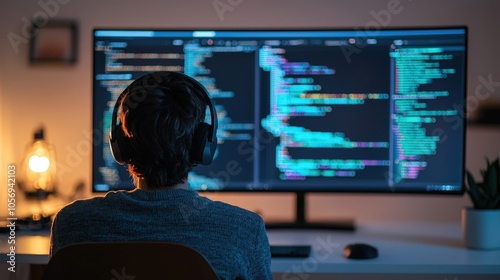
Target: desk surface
{"x":403,"y":249}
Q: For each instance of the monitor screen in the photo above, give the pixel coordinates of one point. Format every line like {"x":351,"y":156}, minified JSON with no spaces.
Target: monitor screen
{"x":304,"y":110}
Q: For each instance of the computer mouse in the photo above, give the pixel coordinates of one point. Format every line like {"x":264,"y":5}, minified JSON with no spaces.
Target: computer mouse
{"x":360,"y":251}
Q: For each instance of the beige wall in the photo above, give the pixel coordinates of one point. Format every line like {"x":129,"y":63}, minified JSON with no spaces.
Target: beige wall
{"x":60,"y":96}
{"x":3,"y":156}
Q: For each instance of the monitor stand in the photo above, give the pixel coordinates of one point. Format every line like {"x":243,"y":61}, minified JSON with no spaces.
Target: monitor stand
{"x":301,"y":223}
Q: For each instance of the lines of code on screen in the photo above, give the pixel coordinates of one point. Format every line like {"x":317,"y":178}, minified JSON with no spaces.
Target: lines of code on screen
{"x":304,"y":110}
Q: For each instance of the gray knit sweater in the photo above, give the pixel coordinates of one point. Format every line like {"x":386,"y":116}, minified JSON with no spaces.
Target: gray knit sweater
{"x":233,"y":240}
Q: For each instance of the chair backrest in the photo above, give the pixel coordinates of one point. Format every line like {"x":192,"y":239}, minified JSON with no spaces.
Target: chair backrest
{"x":129,"y":261}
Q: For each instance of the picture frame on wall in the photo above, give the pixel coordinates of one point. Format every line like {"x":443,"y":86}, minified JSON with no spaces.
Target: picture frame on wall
{"x":54,"y":42}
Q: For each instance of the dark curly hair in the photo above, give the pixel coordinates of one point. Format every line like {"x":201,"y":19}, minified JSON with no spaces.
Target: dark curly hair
{"x":159,"y":115}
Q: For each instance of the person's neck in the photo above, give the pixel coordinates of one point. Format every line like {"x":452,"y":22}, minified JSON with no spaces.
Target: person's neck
{"x":143,"y":185}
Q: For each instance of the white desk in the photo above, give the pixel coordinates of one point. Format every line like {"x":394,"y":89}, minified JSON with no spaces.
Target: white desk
{"x":406,"y":251}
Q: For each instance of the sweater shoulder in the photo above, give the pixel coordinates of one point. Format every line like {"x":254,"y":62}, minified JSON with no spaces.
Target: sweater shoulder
{"x":88,"y":205}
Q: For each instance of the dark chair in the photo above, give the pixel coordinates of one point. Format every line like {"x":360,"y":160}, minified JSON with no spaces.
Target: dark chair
{"x":129,"y":261}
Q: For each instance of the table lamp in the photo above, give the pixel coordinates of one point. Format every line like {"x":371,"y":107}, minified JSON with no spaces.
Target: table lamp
{"x":39,"y":168}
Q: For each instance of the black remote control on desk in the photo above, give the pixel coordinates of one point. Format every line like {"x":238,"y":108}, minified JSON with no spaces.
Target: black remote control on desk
{"x":290,"y":251}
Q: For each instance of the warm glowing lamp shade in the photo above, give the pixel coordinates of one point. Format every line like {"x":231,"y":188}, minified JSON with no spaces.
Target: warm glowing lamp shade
{"x":38,"y":164}
{"x":39,"y":167}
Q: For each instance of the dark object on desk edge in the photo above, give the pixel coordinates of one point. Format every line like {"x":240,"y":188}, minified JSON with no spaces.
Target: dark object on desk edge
{"x":290,"y":251}
{"x":5,"y":227}
{"x":360,"y":251}
{"x":32,"y":223}
{"x":344,"y":224}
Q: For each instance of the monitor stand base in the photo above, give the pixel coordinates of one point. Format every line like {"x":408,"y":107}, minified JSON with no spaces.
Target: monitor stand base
{"x":301,"y":223}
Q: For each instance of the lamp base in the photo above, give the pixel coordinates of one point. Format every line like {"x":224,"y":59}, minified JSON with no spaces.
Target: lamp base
{"x":38,"y":194}
{"x":35,"y":222}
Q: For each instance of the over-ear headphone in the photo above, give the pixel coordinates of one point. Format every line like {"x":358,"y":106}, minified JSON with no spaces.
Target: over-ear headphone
{"x":204,"y":142}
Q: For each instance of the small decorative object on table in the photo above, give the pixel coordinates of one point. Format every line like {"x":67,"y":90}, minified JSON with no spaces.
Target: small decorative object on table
{"x":481,"y":224}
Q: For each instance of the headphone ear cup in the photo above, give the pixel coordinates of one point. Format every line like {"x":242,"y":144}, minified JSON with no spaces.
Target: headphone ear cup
{"x":117,"y":141}
{"x":201,"y":150}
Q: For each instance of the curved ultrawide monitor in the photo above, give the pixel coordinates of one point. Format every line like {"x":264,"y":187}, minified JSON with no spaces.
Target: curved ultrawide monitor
{"x":305,"y":110}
